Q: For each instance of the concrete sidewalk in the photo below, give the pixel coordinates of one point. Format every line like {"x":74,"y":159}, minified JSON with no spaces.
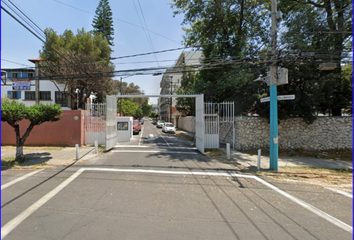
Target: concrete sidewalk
{"x":50,"y":156}
{"x":250,"y":161}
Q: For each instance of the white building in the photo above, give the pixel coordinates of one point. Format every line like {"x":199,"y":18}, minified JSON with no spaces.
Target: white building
{"x":20,"y":84}
{"x":171,"y":81}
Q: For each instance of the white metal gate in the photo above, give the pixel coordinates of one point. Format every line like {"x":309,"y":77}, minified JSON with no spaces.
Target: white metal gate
{"x":111,"y":122}
{"x":227,"y":119}
{"x":105,"y":126}
{"x":214,"y":114}
{"x":211,"y":116}
{"x":95,"y":123}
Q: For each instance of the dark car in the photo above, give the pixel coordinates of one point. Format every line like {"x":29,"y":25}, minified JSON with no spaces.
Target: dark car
{"x":142,"y":121}
{"x":136,"y":126}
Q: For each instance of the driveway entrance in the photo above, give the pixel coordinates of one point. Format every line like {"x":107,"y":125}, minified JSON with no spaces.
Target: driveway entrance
{"x":112,"y":110}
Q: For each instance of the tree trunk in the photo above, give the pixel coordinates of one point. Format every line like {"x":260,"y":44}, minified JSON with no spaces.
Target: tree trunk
{"x":20,"y":157}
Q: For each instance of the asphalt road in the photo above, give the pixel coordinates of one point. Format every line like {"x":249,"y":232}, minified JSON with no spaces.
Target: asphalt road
{"x":159,"y":187}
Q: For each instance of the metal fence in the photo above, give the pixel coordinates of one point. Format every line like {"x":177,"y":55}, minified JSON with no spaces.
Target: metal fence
{"x":95,"y":123}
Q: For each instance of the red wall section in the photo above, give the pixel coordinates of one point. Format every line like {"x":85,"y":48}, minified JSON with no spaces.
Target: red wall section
{"x":66,"y":132}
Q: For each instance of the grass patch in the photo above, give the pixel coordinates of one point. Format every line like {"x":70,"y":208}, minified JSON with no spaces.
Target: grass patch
{"x":214,"y":152}
{"x":341,"y":179}
{"x":9,"y":162}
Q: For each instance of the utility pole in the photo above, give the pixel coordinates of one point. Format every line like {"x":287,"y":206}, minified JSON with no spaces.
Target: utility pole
{"x":171,"y":77}
{"x":120,"y":100}
{"x":37,"y":96}
{"x":273,"y":91}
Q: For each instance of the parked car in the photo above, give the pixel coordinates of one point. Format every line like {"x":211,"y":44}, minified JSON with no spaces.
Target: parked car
{"x":142,"y":121}
{"x":160,"y":123}
{"x":136,"y":126}
{"x":169,"y":127}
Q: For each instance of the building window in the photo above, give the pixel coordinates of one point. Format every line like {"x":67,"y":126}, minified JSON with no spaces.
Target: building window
{"x":30,"y":95}
{"x":44,"y":95}
{"x":30,"y":75}
{"x":61,"y":98}
{"x":14,"y":94}
{"x":14,"y":75}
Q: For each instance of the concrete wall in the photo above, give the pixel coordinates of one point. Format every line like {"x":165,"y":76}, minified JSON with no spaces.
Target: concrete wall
{"x":66,"y":132}
{"x":253,"y":132}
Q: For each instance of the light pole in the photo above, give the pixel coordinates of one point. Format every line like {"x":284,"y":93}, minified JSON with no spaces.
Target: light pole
{"x":77,"y":98}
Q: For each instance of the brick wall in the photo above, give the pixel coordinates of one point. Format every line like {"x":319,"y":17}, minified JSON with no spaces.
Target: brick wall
{"x":66,"y":132}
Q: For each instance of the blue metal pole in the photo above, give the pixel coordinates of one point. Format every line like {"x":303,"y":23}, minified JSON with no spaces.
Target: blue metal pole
{"x":273,"y":128}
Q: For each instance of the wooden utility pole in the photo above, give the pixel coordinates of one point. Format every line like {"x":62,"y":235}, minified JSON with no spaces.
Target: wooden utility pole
{"x":36,"y":62}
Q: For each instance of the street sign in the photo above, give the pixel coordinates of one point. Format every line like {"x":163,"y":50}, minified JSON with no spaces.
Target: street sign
{"x":281,"y":97}
{"x":286,"y":97}
{"x":266,"y":99}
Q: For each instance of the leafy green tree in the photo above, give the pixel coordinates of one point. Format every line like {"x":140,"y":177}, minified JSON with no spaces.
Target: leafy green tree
{"x":186,"y":105}
{"x":146,"y":108}
{"x":130,"y":89}
{"x":78,"y":62}
{"x":232,"y":34}
{"x":13,"y":112}
{"x":126,"y":107}
{"x":103,"y":22}
{"x":323,"y":28}
{"x":153,"y":115}
{"x":138,"y":113}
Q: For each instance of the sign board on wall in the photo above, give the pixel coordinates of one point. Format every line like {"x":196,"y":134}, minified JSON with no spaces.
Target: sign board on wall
{"x":21,"y":84}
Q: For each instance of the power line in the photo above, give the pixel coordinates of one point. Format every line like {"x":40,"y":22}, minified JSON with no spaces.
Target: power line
{"x":147,"y":35}
{"x":41,"y":32}
{"x":16,"y":63}
{"x":120,"y":20}
{"x":4,"y":9}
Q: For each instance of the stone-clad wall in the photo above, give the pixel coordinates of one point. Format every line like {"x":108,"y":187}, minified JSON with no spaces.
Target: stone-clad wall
{"x":187,"y":123}
{"x":324,"y":133}
{"x":253,"y":132}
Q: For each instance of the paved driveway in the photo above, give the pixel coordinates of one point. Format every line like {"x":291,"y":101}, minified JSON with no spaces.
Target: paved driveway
{"x":159,"y":187}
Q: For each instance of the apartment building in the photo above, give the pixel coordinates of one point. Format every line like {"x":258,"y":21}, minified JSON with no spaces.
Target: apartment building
{"x":171,"y":81}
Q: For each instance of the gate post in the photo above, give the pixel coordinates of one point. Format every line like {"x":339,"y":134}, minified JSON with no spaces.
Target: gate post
{"x":199,"y":122}
{"x":111,"y":122}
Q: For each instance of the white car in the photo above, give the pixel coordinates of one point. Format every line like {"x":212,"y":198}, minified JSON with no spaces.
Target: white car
{"x":169,"y":127}
{"x":160,"y":123}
